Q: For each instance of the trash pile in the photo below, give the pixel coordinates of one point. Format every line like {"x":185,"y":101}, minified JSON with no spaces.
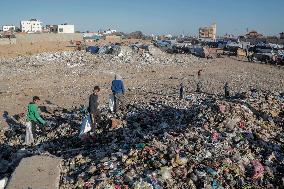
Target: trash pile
{"x":113,"y":54}
{"x":203,"y":141}
{"x":259,"y":52}
{"x":65,"y":56}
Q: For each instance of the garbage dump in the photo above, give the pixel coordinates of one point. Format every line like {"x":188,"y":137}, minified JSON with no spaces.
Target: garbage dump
{"x":203,"y":141}
{"x":92,"y":49}
{"x":267,"y":53}
{"x":137,"y":47}
{"x":262,"y":52}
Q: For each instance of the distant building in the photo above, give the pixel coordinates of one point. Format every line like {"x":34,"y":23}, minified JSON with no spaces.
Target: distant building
{"x":253,"y":35}
{"x":208,"y":32}
{"x":107,"y":32}
{"x":282,"y":35}
{"x":62,"y":28}
{"x":228,"y":36}
{"x":168,"y":36}
{"x":66,"y":28}
{"x":51,"y":28}
{"x":8,"y":28}
{"x":31,"y":26}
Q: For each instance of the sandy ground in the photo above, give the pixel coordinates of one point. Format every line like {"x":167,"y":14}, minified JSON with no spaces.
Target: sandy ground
{"x":67,"y":84}
{"x":26,"y":49}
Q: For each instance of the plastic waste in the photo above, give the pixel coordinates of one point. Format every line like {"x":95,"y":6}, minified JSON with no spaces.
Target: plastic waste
{"x":166,"y":173}
{"x":85,"y":126}
{"x":3,"y":182}
{"x":111,"y":102}
{"x":258,"y":170}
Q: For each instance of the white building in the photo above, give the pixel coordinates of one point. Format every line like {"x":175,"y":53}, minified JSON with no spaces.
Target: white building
{"x":66,"y":28}
{"x":62,"y":28}
{"x":31,"y":26}
{"x":109,"y":31}
{"x":8,"y":28}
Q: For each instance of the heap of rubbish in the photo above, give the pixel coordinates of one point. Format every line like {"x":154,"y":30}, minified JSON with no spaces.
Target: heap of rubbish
{"x":202,"y":141}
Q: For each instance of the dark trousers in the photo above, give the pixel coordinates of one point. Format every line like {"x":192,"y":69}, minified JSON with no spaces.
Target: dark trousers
{"x":227,"y":94}
{"x":118,"y":102}
{"x":181,"y":94}
{"x":95,"y":119}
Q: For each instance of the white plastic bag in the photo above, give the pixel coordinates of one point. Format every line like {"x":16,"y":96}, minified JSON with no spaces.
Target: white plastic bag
{"x":29,"y":139}
{"x":111,"y":102}
{"x":85,"y":126}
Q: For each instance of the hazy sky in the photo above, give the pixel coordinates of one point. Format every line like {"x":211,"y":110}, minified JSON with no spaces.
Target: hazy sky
{"x":151,"y":16}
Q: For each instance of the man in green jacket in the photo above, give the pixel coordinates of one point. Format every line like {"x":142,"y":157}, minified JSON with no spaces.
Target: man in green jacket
{"x":33,"y":119}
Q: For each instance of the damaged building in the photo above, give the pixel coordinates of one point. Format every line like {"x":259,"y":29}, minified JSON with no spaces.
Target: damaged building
{"x":208,"y":32}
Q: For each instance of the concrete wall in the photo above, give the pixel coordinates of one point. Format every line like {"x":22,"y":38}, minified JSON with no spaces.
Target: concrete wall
{"x":6,"y":41}
{"x":48,"y":37}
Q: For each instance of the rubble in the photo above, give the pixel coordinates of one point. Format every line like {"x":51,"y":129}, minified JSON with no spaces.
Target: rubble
{"x":168,"y":143}
{"x":36,"y":172}
{"x":202,"y":141}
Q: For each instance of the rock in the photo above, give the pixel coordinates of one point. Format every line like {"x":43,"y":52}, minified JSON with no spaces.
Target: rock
{"x":36,"y":172}
{"x":115,"y":123}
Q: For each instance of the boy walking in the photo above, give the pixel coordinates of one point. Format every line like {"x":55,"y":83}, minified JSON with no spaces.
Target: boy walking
{"x":33,"y":119}
{"x":93,"y":107}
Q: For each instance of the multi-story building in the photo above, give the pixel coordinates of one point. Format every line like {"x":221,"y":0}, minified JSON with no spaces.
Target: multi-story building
{"x":8,"y":28}
{"x":253,"y":35}
{"x":208,"y":32}
{"x":31,"y":26}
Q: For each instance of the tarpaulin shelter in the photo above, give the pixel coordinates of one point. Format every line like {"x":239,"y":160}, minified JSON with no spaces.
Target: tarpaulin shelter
{"x":93,"y":49}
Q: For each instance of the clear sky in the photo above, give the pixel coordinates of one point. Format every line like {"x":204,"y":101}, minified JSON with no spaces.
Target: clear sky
{"x":151,"y":16}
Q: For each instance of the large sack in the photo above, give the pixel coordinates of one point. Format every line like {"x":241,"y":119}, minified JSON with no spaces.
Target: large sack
{"x":85,"y":126}
{"x":111,"y":102}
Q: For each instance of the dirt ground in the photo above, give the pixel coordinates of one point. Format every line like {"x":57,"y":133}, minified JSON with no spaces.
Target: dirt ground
{"x":27,"y":49}
{"x":70,"y":84}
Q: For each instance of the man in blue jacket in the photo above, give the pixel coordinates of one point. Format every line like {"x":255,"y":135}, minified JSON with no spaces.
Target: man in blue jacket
{"x":117,"y":88}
